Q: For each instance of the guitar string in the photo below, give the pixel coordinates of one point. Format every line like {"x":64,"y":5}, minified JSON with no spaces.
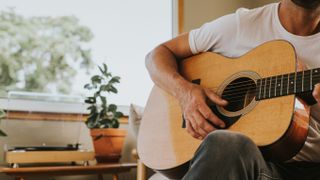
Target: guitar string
{"x":232,"y":87}
{"x":286,"y":75}
{"x":237,"y":99}
{"x":244,"y":90}
{"x":234,"y":94}
{"x":245,"y":83}
{"x":239,"y":96}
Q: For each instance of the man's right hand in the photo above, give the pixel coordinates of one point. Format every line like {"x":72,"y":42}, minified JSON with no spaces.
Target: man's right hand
{"x":193,"y":102}
{"x":162,"y":64}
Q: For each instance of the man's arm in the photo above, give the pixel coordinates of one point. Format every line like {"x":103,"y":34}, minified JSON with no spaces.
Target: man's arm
{"x":162,"y":64}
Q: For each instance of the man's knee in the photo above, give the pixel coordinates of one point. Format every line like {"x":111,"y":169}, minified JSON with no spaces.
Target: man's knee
{"x":229,"y":142}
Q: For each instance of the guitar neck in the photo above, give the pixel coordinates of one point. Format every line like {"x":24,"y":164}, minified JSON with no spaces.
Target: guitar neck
{"x":287,"y":84}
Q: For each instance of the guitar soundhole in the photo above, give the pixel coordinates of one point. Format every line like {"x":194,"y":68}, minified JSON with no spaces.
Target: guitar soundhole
{"x":239,"y":94}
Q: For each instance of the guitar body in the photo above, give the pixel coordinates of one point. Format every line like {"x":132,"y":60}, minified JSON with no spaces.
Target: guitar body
{"x":275,"y":125}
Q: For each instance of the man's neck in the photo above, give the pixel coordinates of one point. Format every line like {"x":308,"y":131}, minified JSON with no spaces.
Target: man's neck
{"x":297,"y":20}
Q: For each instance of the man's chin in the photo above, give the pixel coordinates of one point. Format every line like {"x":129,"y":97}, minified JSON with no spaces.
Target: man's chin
{"x":307,"y":4}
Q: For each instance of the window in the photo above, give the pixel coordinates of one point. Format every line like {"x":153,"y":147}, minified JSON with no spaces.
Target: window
{"x":124,"y":31}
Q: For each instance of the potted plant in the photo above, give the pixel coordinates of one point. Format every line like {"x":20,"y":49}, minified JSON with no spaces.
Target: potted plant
{"x":2,"y":115}
{"x":103,"y":119}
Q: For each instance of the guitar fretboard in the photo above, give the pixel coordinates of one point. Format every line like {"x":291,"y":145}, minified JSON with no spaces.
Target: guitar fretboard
{"x":286,"y":84}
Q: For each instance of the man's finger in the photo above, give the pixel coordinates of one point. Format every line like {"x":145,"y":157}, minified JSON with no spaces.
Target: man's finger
{"x":316,"y":92}
{"x":197,"y":128}
{"x":203,"y":123}
{"x":215,"y":98}
{"x":193,"y":125}
{"x":191,"y":131}
{"x":209,"y":115}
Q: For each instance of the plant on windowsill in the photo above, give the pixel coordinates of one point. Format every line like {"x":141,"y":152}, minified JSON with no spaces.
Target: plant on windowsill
{"x":103,"y":119}
{"x":2,"y":115}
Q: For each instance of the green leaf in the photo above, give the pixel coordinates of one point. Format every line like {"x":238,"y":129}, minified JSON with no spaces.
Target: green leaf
{"x":90,"y":124}
{"x":104,"y":71}
{"x":96,"y":94}
{"x":96,"y":79}
{"x":103,"y":112}
{"x":2,"y":114}
{"x":107,"y":75}
{"x":2,"y":133}
{"x":105,"y":88}
{"x":87,"y":86}
{"x":93,"y":109}
{"x":101,"y":70}
{"x":93,"y":120}
{"x":115,"y":79}
{"x":112,"y":107}
{"x":105,"y":67}
{"x":90,"y":100}
{"x":118,"y":114}
{"x":113,"y":89}
{"x":116,"y":123}
{"x":106,"y":121}
{"x":93,"y":117}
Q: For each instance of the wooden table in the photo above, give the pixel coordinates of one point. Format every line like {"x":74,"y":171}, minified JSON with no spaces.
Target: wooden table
{"x":99,"y":169}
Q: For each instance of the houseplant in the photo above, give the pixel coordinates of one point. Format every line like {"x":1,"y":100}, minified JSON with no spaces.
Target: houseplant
{"x":103,"y":119}
{"x":2,"y":115}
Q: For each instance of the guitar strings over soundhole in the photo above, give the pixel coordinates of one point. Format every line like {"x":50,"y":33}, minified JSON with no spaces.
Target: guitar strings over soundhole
{"x":239,"y":94}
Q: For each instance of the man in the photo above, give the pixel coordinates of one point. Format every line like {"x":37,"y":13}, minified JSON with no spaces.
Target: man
{"x":225,"y":155}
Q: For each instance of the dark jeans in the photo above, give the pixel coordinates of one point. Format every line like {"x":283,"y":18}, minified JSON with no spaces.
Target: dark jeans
{"x":226,"y":155}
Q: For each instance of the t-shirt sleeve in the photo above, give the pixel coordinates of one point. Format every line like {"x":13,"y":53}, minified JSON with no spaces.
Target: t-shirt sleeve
{"x":222,"y":31}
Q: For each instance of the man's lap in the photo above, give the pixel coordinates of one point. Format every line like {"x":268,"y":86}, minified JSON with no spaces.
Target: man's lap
{"x":231,"y":156}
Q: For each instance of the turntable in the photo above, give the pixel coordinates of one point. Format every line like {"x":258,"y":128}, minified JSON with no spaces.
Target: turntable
{"x":48,"y":154}
{"x":44,"y":128}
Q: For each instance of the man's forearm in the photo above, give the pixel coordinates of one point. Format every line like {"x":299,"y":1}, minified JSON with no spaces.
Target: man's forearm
{"x":163,"y":69}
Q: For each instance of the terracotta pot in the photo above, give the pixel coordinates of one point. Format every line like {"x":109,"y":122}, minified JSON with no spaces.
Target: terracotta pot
{"x":108,"y":144}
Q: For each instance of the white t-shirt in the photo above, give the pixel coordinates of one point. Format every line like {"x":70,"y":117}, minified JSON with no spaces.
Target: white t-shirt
{"x":235,"y":34}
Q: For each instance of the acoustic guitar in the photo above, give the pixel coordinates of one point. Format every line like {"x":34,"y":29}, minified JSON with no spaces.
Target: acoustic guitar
{"x":263,"y":89}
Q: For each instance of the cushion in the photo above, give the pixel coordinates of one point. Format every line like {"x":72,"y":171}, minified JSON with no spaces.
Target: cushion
{"x":135,"y":116}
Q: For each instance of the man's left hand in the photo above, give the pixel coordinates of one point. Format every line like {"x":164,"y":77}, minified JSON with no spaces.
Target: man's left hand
{"x":316,"y":92}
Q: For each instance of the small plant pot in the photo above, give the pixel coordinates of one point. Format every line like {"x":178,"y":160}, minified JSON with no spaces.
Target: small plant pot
{"x":108,"y":144}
